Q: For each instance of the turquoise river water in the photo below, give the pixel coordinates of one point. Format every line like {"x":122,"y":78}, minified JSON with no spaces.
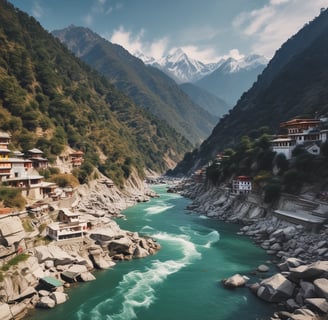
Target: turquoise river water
{"x":181,"y":281}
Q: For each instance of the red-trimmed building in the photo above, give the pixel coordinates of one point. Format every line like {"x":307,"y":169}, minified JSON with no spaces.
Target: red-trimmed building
{"x":242,"y":185}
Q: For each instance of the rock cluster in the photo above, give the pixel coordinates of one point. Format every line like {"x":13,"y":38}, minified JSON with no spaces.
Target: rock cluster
{"x":30,"y":283}
{"x":301,"y":287}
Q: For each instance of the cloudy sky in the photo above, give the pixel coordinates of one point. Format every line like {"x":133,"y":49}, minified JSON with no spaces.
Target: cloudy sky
{"x":205,"y":29}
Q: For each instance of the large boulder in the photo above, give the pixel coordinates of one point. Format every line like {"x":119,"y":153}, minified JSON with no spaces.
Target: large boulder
{"x":59,"y":297}
{"x":46,"y":303}
{"x":235,"y":281}
{"x":97,"y":257}
{"x":321,"y":287}
{"x":318,"y":304}
{"x":308,"y":272}
{"x":123,"y":245}
{"x":11,"y":231}
{"x":140,"y":252}
{"x":275,"y":289}
{"x":53,"y":252}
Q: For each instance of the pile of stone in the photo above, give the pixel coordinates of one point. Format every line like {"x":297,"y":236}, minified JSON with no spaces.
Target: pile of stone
{"x":300,"y":290}
{"x":284,"y":240}
{"x":40,"y":280}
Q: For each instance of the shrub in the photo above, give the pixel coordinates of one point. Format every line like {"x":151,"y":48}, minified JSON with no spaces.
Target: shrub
{"x":272,"y":192}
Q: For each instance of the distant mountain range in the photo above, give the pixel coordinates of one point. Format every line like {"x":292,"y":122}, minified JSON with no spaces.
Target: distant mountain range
{"x":227,"y":79}
{"x":147,"y":86}
{"x":294,"y":84}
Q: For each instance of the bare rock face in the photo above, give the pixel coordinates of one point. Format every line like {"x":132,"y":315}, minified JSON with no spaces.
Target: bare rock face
{"x":11,"y":231}
{"x":5,"y":313}
{"x":276,"y":289}
{"x":53,"y":252}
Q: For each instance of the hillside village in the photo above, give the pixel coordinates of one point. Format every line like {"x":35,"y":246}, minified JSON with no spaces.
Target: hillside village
{"x":40,"y":237}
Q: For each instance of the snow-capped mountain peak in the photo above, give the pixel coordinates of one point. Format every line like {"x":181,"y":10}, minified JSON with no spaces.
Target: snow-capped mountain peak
{"x":182,"y":68}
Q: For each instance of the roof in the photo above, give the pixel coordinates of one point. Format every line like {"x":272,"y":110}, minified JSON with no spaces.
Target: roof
{"x":69,"y":213}
{"x":243,"y":178}
{"x":52,"y":281}
{"x":296,"y":122}
{"x":35,"y":150}
{"x":4,"y":134}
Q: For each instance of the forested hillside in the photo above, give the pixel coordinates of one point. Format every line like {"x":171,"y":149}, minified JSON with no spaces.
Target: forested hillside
{"x":147,"y":86}
{"x":295,"y":83}
{"x":50,"y":99}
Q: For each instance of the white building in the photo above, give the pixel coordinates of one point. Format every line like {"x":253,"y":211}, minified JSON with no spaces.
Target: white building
{"x":242,"y":185}
{"x":300,"y":132}
{"x":70,"y":226}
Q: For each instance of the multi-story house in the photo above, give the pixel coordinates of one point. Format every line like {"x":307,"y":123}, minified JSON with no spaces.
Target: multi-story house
{"x":304,"y":132}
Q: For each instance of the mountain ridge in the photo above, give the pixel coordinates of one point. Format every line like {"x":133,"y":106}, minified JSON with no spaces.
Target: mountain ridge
{"x":294,"y":83}
{"x":147,"y":86}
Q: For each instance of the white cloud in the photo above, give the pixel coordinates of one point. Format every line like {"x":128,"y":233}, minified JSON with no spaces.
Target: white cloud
{"x":136,"y":42}
{"x":270,"y":26}
{"x":88,"y":19}
{"x":37,"y":10}
{"x":206,"y":55}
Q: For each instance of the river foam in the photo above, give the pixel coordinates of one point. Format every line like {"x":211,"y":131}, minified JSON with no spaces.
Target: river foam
{"x":138,"y":288}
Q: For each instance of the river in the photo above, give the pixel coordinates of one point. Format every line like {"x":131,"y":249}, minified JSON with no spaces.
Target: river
{"x":181,"y":281}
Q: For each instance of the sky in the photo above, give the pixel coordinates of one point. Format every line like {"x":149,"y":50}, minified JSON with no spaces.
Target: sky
{"x":207,"y":30}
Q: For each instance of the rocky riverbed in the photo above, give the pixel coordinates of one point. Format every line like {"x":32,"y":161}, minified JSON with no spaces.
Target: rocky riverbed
{"x":301,"y":287}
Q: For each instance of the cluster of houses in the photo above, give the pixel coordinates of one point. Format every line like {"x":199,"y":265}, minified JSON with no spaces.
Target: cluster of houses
{"x":305,"y":132}
{"x":19,"y":170}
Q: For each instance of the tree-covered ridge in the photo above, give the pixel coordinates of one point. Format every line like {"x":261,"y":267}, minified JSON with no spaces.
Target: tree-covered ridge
{"x":49,"y":98}
{"x":270,"y":172}
{"x":147,"y":86}
{"x":293,"y":84}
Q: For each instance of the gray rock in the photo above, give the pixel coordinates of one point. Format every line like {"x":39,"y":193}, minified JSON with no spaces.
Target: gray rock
{"x":235,"y":281}
{"x":46,"y":303}
{"x":291,"y":305}
{"x":318,"y":304}
{"x":321,"y":287}
{"x":263,"y":268}
{"x":275,"y":289}
{"x":86,"y":276}
{"x":307,"y":290}
{"x":140,"y":252}
{"x":11,"y":230}
{"x":43,"y":293}
{"x":59,"y":297}
{"x":123,"y":245}
{"x":313,"y":270}
{"x":275,"y":247}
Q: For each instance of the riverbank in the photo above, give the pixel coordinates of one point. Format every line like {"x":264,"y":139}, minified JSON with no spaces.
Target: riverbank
{"x":301,"y":288}
{"x":44,"y":268}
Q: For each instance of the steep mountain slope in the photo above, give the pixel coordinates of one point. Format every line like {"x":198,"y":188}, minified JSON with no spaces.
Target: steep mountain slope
{"x":295,"y":83}
{"x":233,"y":77}
{"x":205,"y":99}
{"x":49,"y":98}
{"x":148,"y":87}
